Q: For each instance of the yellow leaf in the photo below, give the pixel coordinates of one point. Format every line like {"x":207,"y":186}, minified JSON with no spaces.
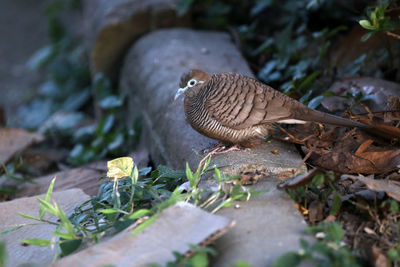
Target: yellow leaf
{"x":120,"y":167}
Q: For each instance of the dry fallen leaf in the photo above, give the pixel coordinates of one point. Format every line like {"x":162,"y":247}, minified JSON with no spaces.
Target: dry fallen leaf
{"x":390,"y":187}
{"x":315,"y":212}
{"x":13,"y":141}
{"x":380,"y":259}
{"x":299,"y":180}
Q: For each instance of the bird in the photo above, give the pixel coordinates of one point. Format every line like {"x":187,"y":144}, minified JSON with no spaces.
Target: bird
{"x":239,"y":110}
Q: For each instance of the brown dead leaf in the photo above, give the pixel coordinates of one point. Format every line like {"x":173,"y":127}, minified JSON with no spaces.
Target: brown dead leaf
{"x":42,"y":160}
{"x":13,"y":141}
{"x":367,"y":159}
{"x":390,"y":187}
{"x":301,"y":209}
{"x":380,"y":128}
{"x":330,"y":218}
{"x":299,"y":180}
{"x":315,"y":212}
{"x":85,"y":177}
{"x":379,"y":259}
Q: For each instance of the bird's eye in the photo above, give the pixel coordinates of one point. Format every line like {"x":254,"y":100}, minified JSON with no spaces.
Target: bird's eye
{"x":192,"y":83}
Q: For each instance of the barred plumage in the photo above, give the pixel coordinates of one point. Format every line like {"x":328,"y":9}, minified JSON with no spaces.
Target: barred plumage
{"x":237,"y":109}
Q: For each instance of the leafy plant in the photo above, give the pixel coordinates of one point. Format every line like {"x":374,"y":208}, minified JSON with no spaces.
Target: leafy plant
{"x":67,"y":85}
{"x":328,"y":250}
{"x":321,"y":186}
{"x":63,"y":107}
{"x":131,"y":197}
{"x":108,"y":137}
{"x":198,"y":259}
{"x":378,"y":21}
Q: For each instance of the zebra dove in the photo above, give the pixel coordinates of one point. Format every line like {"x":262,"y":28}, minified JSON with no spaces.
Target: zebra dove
{"x":236,"y":109}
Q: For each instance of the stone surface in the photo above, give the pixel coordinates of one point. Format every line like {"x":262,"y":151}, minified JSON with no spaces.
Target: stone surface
{"x":111,"y":27}
{"x":267,"y":226}
{"x":19,"y":254}
{"x":378,"y":91}
{"x":150,"y":78}
{"x":174,"y":229}
{"x":86,"y":178}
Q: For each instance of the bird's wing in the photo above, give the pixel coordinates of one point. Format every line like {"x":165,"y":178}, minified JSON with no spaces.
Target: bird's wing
{"x":240,"y":102}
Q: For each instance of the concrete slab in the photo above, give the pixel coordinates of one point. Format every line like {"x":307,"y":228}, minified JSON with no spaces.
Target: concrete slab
{"x":175,"y":228}
{"x":18,"y":253}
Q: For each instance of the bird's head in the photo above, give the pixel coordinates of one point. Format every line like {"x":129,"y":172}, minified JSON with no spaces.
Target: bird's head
{"x":191,"y":82}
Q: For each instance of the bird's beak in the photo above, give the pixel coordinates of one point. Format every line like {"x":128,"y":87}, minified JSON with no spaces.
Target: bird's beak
{"x":179,"y":92}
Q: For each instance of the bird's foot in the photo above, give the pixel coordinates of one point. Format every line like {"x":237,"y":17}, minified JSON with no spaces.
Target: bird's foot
{"x":225,"y":149}
{"x":220,"y":148}
{"x":212,"y":148}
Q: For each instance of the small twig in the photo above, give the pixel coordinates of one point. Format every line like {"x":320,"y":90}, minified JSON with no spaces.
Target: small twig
{"x":393,"y":35}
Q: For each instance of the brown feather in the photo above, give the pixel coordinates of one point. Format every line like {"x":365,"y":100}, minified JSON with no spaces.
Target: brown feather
{"x":236,"y":109}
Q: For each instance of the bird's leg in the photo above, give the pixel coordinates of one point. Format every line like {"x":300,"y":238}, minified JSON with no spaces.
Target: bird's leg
{"x":212,"y":148}
{"x":221,"y":148}
{"x":225,"y":149}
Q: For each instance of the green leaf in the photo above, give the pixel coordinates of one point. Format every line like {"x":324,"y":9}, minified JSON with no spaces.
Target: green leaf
{"x":394,"y":254}
{"x":189,"y":176}
{"x":139,"y":214}
{"x":218,"y":175}
{"x":28,"y":216}
{"x":47,"y":207}
{"x":291,"y":259}
{"x":334,"y":232}
{"x":47,"y":198}
{"x":69,"y":246}
{"x":309,"y":80}
{"x":9,"y":231}
{"x":135,"y":175}
{"x":117,"y":142}
{"x":394,"y":207}
{"x":315,"y":102}
{"x":102,"y":86}
{"x":56,"y":29}
{"x":318,"y":179}
{"x":183,"y":6}
{"x":77,"y":151}
{"x":65,"y":222}
{"x":76,"y":101}
{"x":366,"y":36}
{"x":241,"y":263}
{"x":41,"y":57}
{"x":144,"y":225}
{"x":329,"y":93}
{"x":200,"y":259}
{"x":105,"y":125}
{"x":36,"y":242}
{"x":110,"y":102}
{"x":260,"y":6}
{"x":65,"y":235}
{"x":337,"y":203}
{"x":109,"y":211}
{"x":120,"y":167}
{"x":367,"y":25}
